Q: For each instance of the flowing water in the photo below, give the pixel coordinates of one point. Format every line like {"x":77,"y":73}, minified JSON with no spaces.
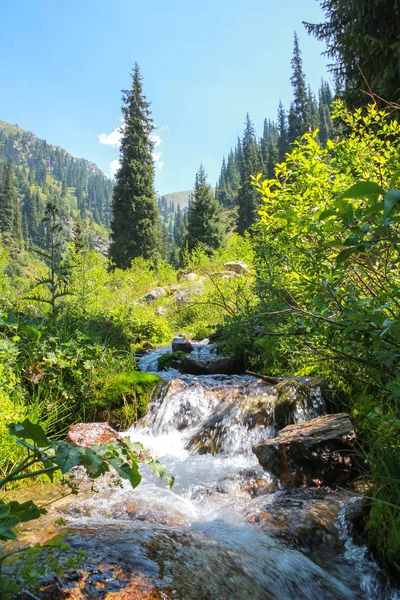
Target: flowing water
{"x":225,"y":529}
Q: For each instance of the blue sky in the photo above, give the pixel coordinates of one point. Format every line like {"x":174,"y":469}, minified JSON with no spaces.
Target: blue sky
{"x":204,"y":64}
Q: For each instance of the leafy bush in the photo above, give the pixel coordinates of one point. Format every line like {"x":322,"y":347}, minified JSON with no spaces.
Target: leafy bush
{"x":328,"y":283}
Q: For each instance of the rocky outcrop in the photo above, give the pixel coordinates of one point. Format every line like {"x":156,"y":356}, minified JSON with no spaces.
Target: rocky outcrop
{"x":181,"y":344}
{"x":316,"y":453}
{"x":236,"y":267}
{"x":154,"y":294}
{"x":92,"y":434}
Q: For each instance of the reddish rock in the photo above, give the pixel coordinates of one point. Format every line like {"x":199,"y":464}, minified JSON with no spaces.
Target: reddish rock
{"x":316,"y":453}
{"x":92,"y":434}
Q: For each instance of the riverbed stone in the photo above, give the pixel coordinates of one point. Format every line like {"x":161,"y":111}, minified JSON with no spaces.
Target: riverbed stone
{"x":92,"y":434}
{"x":196,"y":365}
{"x":316,"y":453}
{"x":182,"y":344}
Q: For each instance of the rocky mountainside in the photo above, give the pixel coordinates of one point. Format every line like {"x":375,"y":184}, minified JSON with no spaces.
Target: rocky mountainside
{"x":41,"y":173}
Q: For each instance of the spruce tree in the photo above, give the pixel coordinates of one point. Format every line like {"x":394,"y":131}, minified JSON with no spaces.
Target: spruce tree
{"x":248,"y":197}
{"x":299,"y":115}
{"x":363,"y":40}
{"x":8,"y":202}
{"x":283,"y":146}
{"x":204,"y":216}
{"x":134,"y":226}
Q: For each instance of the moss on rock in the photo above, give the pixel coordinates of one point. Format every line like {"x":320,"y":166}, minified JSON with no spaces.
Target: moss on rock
{"x":170,"y":360}
{"x":124,"y":398}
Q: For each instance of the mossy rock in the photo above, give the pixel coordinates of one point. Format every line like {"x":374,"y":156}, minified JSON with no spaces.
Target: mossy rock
{"x":292,"y":395}
{"x":124,"y":398}
{"x":171,"y":360}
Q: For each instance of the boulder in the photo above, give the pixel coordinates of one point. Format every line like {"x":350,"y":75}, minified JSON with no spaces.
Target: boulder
{"x":161,"y":310}
{"x":223,"y":365}
{"x":92,"y":434}
{"x":190,"y":277}
{"x":316,"y":453}
{"x":193,"y":366}
{"x":236,"y":266}
{"x":154,"y":294}
{"x":181,"y":344}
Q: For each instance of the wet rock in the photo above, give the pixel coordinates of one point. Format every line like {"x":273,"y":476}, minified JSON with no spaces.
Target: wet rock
{"x":316,"y":453}
{"x":154,"y":294}
{"x":196,"y":365}
{"x":249,"y":482}
{"x":297,"y":401}
{"x":90,"y":434}
{"x":248,"y":408}
{"x":306,"y":519}
{"x":193,"y":366}
{"x":236,"y":266}
{"x":182,"y":344}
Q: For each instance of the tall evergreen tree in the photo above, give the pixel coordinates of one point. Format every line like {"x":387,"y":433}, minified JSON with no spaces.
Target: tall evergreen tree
{"x":363,"y":40}
{"x":283,"y":132}
{"x":299,"y":115}
{"x":248,"y":197}
{"x":134,"y":226}
{"x":204,"y":216}
{"x":8,"y":201}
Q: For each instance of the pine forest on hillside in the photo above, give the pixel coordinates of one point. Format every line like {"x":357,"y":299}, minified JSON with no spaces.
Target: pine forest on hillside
{"x":232,"y":351}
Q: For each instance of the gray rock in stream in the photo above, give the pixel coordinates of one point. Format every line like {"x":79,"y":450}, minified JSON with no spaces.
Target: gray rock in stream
{"x":182,"y":344}
{"x":223,"y":365}
{"x":317,"y":452}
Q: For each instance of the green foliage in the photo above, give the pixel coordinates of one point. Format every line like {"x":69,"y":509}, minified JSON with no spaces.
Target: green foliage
{"x":362,"y":39}
{"x":328,"y":287}
{"x":56,"y":282}
{"x":248,"y":199}
{"x":134,"y":227}
{"x":204,"y":217}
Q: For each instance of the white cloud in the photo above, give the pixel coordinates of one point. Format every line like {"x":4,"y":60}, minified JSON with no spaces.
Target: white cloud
{"x":113,"y":139}
{"x":156,"y":139}
{"x":114,"y":166}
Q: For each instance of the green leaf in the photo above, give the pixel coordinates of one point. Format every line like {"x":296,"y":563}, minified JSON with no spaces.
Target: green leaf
{"x":391,"y":199}
{"x":395,"y":177}
{"x":67,"y":456}
{"x":344,"y":255}
{"x":362,"y":189}
{"x":29,"y":431}
{"x":7,"y":525}
{"x":160,"y":471}
{"x":27,"y":511}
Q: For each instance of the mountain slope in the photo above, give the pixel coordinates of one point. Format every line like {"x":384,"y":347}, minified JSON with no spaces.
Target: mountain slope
{"x":43,"y":173}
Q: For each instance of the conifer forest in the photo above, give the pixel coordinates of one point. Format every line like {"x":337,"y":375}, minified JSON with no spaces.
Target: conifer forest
{"x":200,"y":390}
